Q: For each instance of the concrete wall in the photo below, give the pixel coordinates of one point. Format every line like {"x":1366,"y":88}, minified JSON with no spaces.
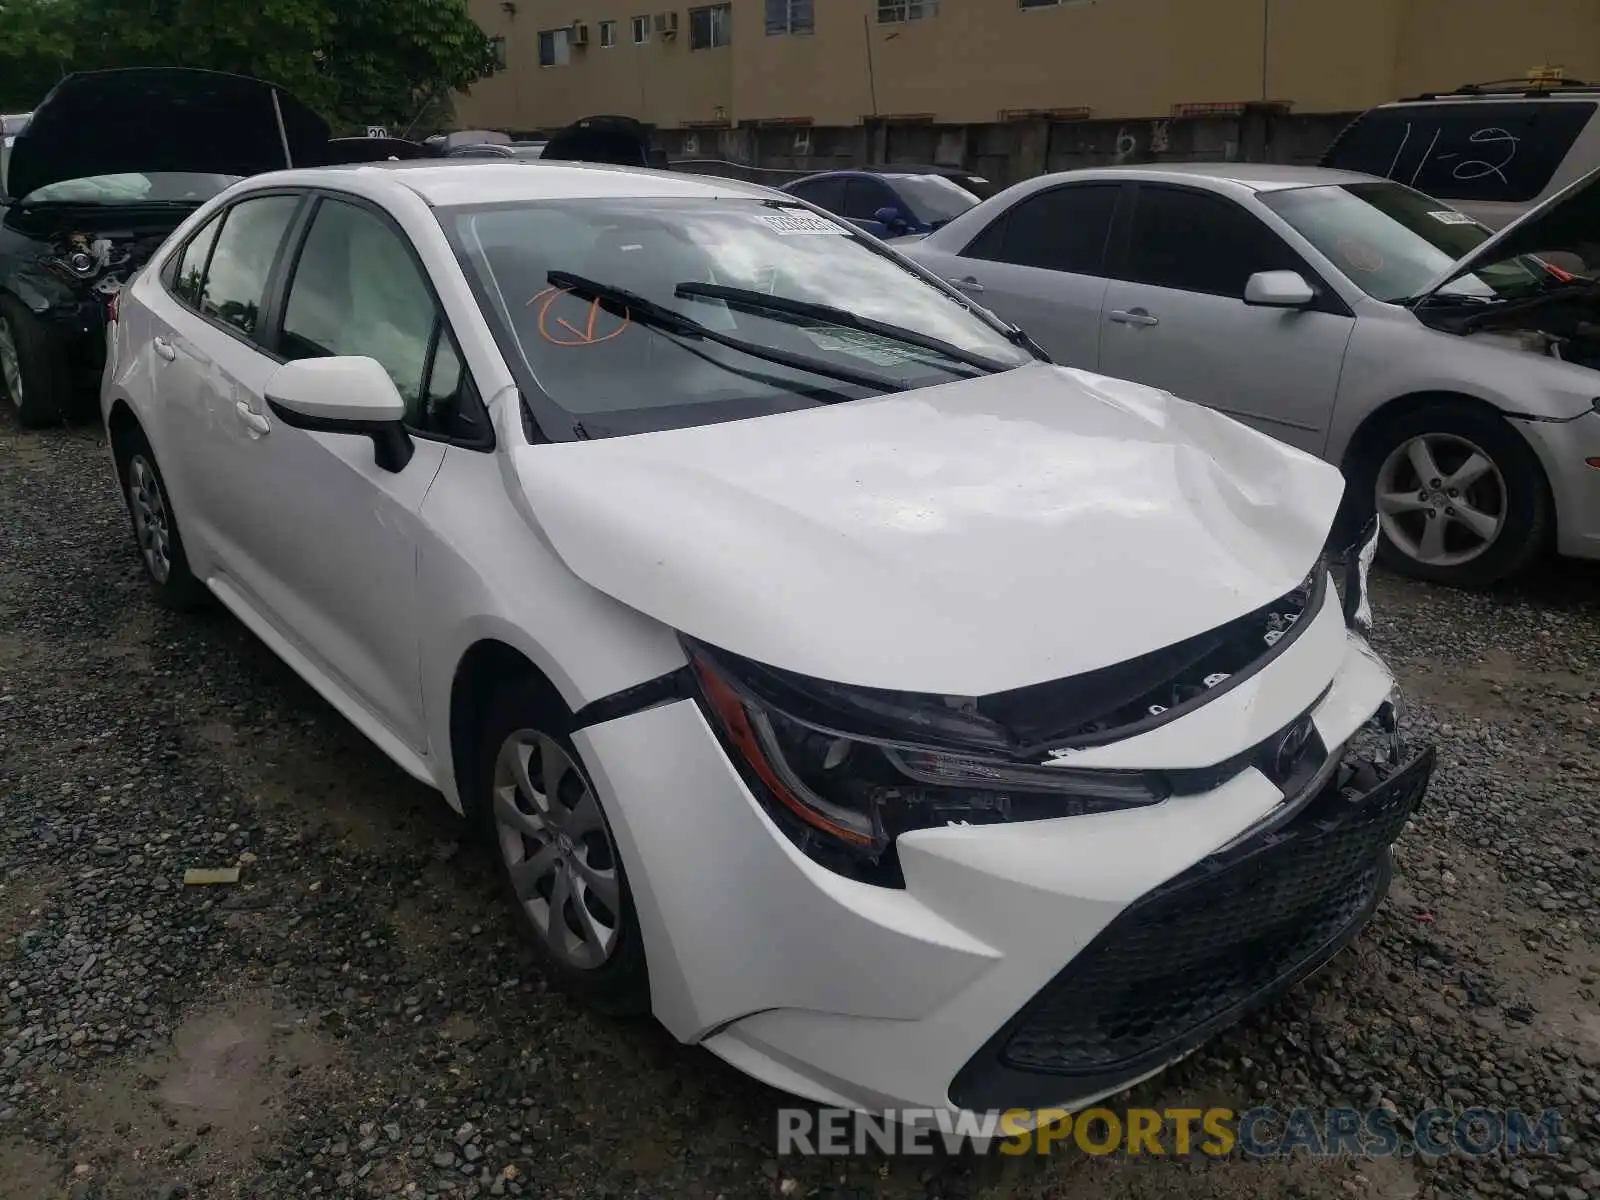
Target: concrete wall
{"x":1004,"y":152}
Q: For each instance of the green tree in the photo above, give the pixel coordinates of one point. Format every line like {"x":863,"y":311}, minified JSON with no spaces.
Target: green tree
{"x":359,"y":62}
{"x":35,"y":50}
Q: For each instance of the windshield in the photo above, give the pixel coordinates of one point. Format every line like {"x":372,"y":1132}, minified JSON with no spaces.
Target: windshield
{"x":710,"y":262}
{"x":1393,"y":242}
{"x":934,"y":199}
{"x":158,"y":187}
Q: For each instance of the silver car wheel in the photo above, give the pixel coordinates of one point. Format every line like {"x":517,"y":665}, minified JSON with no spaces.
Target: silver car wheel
{"x":1441,"y":500}
{"x":557,"y":849}
{"x":150,"y":520}
{"x":10,"y":363}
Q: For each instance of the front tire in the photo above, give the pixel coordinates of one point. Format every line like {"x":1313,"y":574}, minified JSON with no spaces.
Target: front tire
{"x":557,"y":857}
{"x":33,"y":370}
{"x":155,"y":527}
{"x":1460,"y":496}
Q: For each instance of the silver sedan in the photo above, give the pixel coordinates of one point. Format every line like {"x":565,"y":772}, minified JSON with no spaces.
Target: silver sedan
{"x":1452,"y":374}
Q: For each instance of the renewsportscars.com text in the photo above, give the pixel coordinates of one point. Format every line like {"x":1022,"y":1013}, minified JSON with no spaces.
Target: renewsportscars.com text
{"x":1262,"y":1132}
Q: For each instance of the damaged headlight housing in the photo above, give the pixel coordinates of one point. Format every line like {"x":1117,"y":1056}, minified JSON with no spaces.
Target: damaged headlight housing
{"x":1357,"y":570}
{"x":844,"y":771}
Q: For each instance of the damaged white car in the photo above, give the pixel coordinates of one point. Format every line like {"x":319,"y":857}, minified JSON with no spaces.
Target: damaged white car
{"x":909,"y":721}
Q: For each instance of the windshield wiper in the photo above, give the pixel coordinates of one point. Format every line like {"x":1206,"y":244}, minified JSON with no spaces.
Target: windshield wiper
{"x":657,"y":316}
{"x":806,"y":310}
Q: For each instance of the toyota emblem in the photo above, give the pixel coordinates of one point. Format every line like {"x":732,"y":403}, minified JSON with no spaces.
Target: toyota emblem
{"x":1292,"y":747}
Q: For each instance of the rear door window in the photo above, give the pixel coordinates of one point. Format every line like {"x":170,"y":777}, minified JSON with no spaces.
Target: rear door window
{"x":1475,"y":151}
{"x":1064,"y":229}
{"x":236,"y":280}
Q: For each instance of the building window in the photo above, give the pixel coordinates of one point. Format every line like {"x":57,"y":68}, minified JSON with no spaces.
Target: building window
{"x":641,"y":30}
{"x":608,"y":33}
{"x":789,"y":16}
{"x":710,"y":27}
{"x":555,"y":47}
{"x":906,"y":10}
{"x":497,"y":47}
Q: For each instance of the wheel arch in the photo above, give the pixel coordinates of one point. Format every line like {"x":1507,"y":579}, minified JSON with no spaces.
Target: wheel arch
{"x":1363,"y":440}
{"x":121,"y":424}
{"x":1372,"y":424}
{"x":484,"y":668}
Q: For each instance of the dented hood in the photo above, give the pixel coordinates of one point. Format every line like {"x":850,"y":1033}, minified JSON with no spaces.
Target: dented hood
{"x":964,"y":539}
{"x":1568,"y":222}
{"x":147,"y":119}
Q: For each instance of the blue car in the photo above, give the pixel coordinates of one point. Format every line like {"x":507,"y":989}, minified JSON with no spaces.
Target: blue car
{"x":892,"y":202}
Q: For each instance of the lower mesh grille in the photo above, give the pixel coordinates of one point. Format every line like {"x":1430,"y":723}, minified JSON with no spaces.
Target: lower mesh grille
{"x":1193,"y":953}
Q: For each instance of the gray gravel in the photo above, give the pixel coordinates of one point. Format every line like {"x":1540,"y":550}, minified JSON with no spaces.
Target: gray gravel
{"x":356,"y":1016}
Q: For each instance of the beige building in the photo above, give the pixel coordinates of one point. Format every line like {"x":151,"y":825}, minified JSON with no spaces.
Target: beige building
{"x":841,"y":62}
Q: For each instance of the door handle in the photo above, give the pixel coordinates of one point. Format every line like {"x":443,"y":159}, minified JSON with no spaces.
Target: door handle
{"x":253,"y":420}
{"x":1138,"y":317}
{"x":164,"y":348}
{"x":968,"y":285}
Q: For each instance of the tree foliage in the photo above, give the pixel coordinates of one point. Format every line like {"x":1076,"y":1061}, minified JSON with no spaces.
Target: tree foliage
{"x":359,"y":62}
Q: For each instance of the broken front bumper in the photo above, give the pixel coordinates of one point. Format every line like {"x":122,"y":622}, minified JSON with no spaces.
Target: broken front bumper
{"x":1195,"y":954}
{"x":953,"y":990}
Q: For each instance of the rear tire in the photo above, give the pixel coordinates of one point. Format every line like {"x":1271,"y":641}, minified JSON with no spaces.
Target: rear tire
{"x":536,"y":808}
{"x":1460,"y":495}
{"x":33,"y":368}
{"x":155,"y":525}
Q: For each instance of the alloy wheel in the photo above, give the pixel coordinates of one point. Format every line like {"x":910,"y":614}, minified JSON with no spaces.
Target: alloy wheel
{"x":557,"y":849}
{"x":10,"y":363}
{"x":1441,"y":499}
{"x":150,"y":521}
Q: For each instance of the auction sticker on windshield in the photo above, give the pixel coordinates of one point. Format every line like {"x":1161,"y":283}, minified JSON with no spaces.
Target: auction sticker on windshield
{"x":793,"y":221}
{"x":878,"y":351}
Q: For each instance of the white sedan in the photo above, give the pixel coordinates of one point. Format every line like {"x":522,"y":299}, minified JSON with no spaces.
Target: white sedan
{"x":1453,"y":376}
{"x":909,"y":721}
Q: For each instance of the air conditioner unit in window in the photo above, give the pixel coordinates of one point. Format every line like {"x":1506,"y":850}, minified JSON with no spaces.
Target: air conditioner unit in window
{"x":580,"y":34}
{"x":667,"y":24}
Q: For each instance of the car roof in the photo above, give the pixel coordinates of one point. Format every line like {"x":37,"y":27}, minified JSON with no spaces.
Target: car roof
{"x":879,"y":170}
{"x":915,"y":169}
{"x":832,"y":173}
{"x":449,"y":182}
{"x":1255,"y":177}
{"x":1502,"y":95}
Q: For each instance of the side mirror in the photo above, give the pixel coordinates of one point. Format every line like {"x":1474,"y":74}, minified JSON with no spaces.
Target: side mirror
{"x":351,"y":395}
{"x":889,"y":217}
{"x":1278,"y":289}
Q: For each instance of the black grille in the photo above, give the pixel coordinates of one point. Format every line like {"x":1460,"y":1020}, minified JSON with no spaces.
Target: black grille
{"x":1194,"y":953}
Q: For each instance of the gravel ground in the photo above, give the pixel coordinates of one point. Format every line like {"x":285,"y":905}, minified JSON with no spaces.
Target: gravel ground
{"x":356,"y":1016}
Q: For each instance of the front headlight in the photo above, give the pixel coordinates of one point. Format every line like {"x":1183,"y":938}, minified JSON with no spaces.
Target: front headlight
{"x":843,"y":796}
{"x":1357,"y":568}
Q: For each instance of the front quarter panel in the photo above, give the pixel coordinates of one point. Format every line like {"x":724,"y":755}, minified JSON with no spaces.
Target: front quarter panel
{"x":486,"y":573}
{"x":1392,"y":354}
